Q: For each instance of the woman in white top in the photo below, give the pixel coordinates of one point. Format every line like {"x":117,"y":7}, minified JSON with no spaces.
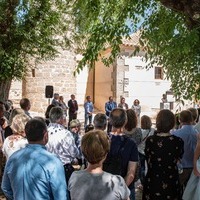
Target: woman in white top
{"x":17,"y":140}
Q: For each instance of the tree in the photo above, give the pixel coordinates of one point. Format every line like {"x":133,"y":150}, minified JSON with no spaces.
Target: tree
{"x":29,"y":30}
{"x":33,"y":29}
{"x":170,"y":31}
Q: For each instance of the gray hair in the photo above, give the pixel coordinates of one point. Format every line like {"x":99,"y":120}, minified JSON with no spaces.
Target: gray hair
{"x":118,"y":117}
{"x":56,"y":114}
{"x":100,"y":121}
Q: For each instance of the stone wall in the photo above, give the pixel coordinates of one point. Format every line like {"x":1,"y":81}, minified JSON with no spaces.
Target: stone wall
{"x":58,"y":73}
{"x":16,"y":92}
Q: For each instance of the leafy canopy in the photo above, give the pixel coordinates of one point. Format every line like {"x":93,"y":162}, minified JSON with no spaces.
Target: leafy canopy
{"x":164,"y":34}
{"x":30,"y":29}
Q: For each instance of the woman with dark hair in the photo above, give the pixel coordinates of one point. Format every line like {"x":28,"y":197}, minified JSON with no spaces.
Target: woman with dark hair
{"x":47,"y":113}
{"x":147,"y":130}
{"x":131,"y":127}
{"x":123,"y":104}
{"x":163,"y":152}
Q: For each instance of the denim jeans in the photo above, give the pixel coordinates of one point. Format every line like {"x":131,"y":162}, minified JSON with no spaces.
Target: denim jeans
{"x":88,"y":117}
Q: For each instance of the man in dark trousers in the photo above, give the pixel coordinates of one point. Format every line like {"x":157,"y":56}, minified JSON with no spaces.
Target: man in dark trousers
{"x":73,"y":109}
{"x":109,"y":106}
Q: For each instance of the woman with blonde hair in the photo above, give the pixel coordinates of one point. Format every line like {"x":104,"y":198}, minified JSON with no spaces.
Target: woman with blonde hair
{"x":14,"y":112}
{"x":17,"y":140}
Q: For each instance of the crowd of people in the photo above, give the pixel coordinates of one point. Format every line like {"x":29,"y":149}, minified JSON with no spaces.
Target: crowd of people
{"x":50,"y":157}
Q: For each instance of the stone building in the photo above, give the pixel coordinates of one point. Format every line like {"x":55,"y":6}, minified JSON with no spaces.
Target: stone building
{"x":57,"y":73}
{"x":129,"y":78}
{"x":126,"y":77}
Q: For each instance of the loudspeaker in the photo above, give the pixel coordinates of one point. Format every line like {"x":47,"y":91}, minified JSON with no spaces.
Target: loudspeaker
{"x":49,"y":91}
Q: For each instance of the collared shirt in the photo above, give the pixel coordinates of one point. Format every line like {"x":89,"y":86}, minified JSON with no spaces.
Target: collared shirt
{"x":61,"y":143}
{"x":189,"y":135}
{"x":88,"y":107}
{"x":33,"y":173}
{"x":109,"y":106}
{"x":197,"y":127}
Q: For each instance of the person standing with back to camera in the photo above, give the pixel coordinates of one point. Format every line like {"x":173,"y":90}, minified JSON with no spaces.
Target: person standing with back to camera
{"x":123,"y":147}
{"x":93,"y":183}
{"x":25,"y":104}
{"x":163,"y":152}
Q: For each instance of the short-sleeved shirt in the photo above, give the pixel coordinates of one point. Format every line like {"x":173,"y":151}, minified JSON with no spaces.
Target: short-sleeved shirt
{"x":103,"y":186}
{"x":128,"y":153}
{"x":189,"y":135}
{"x":32,"y":173}
{"x":61,"y":143}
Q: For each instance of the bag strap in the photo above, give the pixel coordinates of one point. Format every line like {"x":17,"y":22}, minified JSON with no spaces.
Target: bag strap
{"x":146,"y":136}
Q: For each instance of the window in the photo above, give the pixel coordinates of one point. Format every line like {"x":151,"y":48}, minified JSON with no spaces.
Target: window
{"x":158,"y":73}
{"x":138,"y":67}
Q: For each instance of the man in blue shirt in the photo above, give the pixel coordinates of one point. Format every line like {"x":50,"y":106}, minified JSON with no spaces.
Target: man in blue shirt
{"x":32,"y":172}
{"x":89,"y":109}
{"x":189,"y":135}
{"x":109,"y":106}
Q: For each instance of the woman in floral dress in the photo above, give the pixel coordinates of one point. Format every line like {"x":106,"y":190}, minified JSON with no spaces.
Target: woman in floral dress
{"x":163,"y":152}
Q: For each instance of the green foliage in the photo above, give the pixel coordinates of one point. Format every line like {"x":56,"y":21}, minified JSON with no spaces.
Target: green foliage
{"x":167,"y":40}
{"x":33,"y":29}
{"x":171,"y":44}
{"x":29,"y":30}
{"x":101,"y":23}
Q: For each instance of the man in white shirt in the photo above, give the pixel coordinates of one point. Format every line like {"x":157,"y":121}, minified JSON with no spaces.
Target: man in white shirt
{"x":61,"y":141}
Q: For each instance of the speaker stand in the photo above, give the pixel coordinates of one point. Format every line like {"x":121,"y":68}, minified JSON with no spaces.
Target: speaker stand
{"x":49,"y":101}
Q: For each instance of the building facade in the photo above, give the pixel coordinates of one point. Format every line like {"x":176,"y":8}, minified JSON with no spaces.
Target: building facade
{"x":58,"y":73}
{"x":127,"y":77}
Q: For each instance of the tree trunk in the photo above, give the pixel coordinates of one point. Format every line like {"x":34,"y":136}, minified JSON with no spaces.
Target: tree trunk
{"x":190,"y":8}
{"x":4,"y":89}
